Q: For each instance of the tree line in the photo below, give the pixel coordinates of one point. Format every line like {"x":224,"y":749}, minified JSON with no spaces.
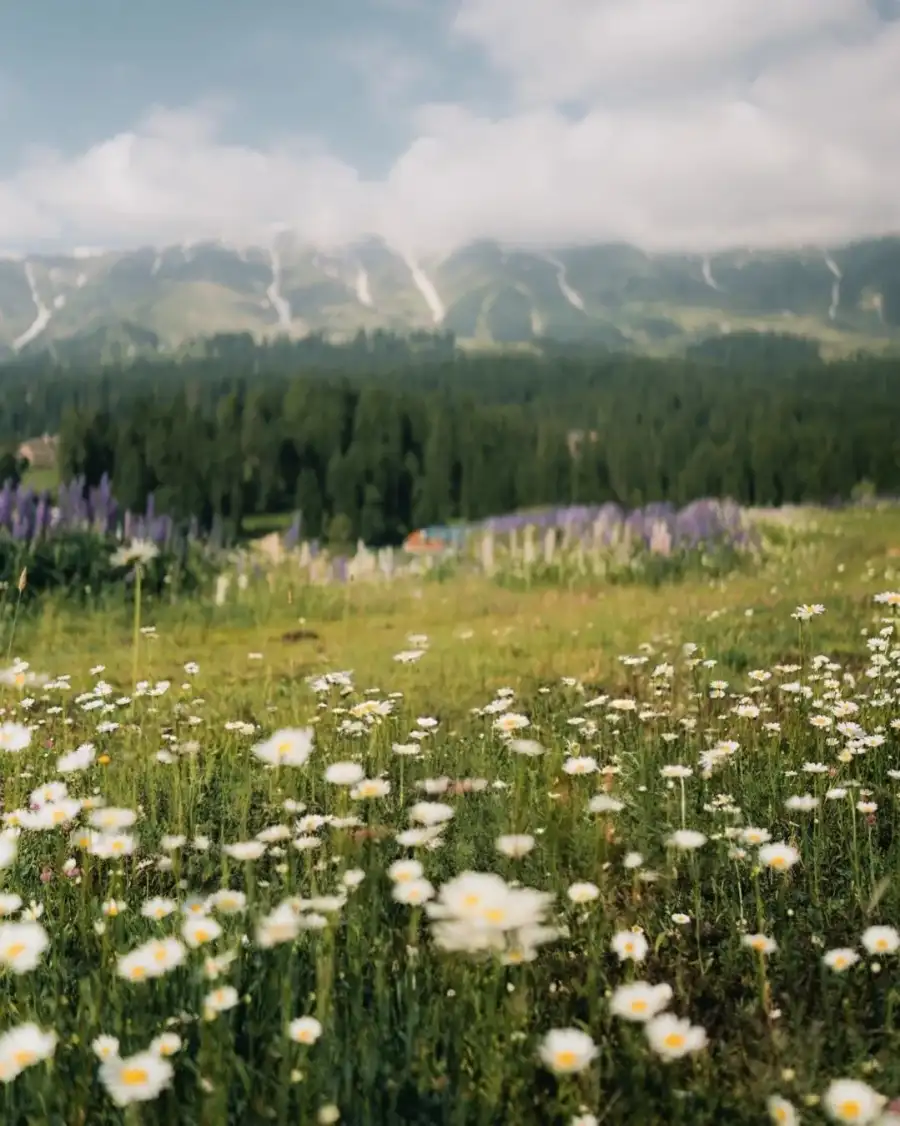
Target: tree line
{"x":365,"y":450}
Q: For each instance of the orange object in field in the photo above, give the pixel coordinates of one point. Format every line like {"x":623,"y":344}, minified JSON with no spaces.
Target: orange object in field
{"x":424,"y":541}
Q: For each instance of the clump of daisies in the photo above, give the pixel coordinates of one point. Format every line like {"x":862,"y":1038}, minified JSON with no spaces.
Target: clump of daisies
{"x":480,"y":913}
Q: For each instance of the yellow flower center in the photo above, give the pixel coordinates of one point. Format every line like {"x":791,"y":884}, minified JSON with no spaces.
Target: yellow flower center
{"x":781,"y":1114}
{"x":134,"y":1076}
{"x":849,"y":1110}
{"x":201,"y":934}
{"x":24,"y":1057}
{"x":881,"y":944}
{"x":495,"y":915}
{"x":674,"y":1040}
{"x":565,"y":1059}
{"x":638,"y":1006}
{"x":777,"y":861}
{"x":14,"y":950}
{"x":471,"y":900}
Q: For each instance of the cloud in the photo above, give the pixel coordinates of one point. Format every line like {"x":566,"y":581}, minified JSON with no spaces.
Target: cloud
{"x":570,"y":49}
{"x":173,"y":179}
{"x":747,"y":122}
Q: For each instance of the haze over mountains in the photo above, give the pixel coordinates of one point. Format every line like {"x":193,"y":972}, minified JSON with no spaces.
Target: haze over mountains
{"x":120,"y":303}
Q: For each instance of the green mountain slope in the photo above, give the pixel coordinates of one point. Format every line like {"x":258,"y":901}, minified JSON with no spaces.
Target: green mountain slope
{"x":124,"y":303}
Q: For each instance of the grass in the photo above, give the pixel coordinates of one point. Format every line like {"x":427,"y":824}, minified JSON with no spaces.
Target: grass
{"x":837,"y":342}
{"x":412,"y":1032}
{"x":41,"y":479}
{"x":261,"y":524}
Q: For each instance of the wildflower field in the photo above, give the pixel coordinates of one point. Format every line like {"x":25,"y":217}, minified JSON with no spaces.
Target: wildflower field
{"x":450,"y":852}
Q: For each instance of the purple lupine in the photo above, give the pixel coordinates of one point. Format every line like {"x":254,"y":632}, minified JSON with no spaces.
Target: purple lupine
{"x":7,"y":501}
{"x":294,"y":532}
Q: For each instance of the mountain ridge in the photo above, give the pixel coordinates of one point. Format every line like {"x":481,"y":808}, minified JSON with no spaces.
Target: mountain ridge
{"x":487,"y":294}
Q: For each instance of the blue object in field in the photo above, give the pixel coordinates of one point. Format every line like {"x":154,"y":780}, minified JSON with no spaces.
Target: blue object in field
{"x":434,"y":539}
{"x":444,"y":534}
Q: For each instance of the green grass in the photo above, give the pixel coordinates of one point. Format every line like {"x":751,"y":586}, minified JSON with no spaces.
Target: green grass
{"x":262,"y":523}
{"x":413,"y":1033}
{"x":42,"y":479}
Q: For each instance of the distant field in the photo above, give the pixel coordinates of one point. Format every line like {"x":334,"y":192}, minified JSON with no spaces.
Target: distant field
{"x":261,"y":524}
{"x":41,"y":479}
{"x":417,"y":1019}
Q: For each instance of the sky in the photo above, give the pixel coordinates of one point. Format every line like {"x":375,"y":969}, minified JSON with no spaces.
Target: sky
{"x":670,"y":124}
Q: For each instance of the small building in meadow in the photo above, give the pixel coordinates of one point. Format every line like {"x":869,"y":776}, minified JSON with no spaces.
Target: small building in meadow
{"x":40,"y":453}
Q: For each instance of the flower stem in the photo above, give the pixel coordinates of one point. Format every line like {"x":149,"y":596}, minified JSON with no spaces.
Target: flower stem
{"x":136,"y":632}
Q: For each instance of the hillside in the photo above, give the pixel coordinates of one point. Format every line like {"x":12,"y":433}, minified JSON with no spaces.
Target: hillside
{"x":124,"y":303}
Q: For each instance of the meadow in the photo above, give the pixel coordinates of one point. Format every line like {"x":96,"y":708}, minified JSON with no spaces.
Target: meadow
{"x":460,"y":851}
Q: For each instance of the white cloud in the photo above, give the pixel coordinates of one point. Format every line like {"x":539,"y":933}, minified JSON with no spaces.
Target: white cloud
{"x":674,"y":147}
{"x":569,"y":49}
{"x":173,"y":179}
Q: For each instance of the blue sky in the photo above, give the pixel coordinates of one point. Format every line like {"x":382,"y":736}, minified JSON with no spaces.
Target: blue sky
{"x":666,"y":122}
{"x":347,"y":71}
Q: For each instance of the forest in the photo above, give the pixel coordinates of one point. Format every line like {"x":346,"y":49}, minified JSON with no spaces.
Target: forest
{"x":376,"y":438}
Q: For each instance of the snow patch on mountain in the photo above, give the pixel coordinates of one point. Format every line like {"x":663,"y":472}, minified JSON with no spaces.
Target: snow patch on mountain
{"x":279,"y":304}
{"x":426,"y":287}
{"x":836,"y":286}
{"x":571,"y":295}
{"x":42,"y":319}
{"x":363,"y":292}
{"x":708,"y":274}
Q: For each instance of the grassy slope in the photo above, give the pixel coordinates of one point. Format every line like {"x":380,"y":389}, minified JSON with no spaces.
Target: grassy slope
{"x":519,"y":636}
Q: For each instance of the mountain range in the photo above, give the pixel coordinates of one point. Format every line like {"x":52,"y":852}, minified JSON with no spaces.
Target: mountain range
{"x":116,"y":304}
